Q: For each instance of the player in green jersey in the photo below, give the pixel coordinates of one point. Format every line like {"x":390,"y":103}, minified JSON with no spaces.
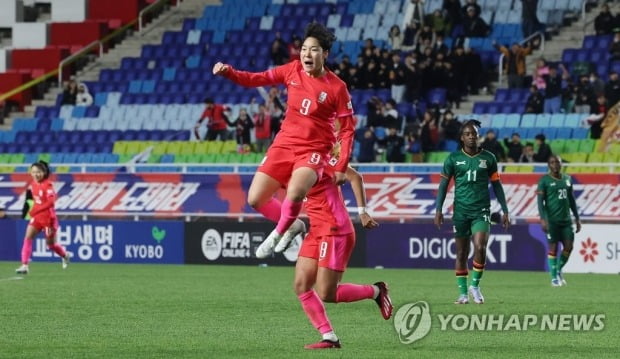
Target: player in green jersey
{"x":472,"y":169}
{"x":555,"y":202}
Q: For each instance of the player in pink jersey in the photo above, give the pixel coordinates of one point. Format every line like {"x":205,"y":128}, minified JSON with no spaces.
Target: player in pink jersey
{"x":325,"y":253}
{"x":296,"y":158}
{"x":43,"y":216}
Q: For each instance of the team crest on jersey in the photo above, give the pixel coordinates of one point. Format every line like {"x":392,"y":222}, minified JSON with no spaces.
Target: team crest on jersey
{"x":349,"y":105}
{"x":568,"y":183}
{"x":322,"y":96}
{"x":483,"y":164}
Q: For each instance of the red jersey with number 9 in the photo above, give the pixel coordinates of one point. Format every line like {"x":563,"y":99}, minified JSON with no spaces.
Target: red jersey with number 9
{"x":314,"y":104}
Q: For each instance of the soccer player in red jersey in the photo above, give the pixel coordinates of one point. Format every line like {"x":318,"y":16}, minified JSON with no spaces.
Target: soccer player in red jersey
{"x":296,"y":158}
{"x":43,"y":216}
{"x":325,"y":253}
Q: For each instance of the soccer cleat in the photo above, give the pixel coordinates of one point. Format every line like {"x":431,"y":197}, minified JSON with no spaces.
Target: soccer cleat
{"x":560,"y":278}
{"x":22,"y":270}
{"x":266,"y":248}
{"x":462,"y":299}
{"x":296,"y":228}
{"x":476,"y":294}
{"x":324,"y":344}
{"x":65,"y":260}
{"x":383,"y":300}
{"x":556,"y":282}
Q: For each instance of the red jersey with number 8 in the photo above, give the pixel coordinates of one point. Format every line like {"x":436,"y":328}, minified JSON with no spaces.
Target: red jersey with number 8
{"x":314,"y":104}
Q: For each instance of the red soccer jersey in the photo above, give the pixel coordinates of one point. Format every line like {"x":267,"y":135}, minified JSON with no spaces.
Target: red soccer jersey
{"x":314,"y":104}
{"x":44,"y":197}
{"x":215,"y":117}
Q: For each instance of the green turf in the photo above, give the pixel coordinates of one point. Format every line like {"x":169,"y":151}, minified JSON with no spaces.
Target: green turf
{"x":157,"y":311}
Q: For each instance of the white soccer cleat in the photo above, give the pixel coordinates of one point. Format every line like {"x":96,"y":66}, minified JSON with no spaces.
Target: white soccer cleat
{"x":296,"y":228}
{"x":266,"y":248}
{"x":65,"y":260}
{"x":556,"y":282}
{"x":22,"y":270}
{"x":462,"y":299}
{"x":560,"y":278}
{"x":476,"y":294}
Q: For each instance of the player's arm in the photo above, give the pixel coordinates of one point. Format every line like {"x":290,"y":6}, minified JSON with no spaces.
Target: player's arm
{"x":542,"y":211}
{"x":573,"y":208}
{"x":446,"y":173}
{"x":357,"y":184}
{"x":250,"y":79}
{"x":28,"y":202}
{"x":345,"y":138}
{"x":496,"y":183}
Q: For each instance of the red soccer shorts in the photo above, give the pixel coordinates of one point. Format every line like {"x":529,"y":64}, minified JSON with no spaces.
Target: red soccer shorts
{"x":279,"y":162}
{"x":47,"y":225}
{"x":332,"y":252}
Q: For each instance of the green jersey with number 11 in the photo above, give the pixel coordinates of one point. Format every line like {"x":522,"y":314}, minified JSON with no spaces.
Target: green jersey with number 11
{"x":471,"y":179}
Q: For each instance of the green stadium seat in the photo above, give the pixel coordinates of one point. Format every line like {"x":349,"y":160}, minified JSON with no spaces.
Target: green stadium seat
{"x":159,"y":148}
{"x":120,"y":147}
{"x":187,"y":147}
{"x":235,"y":158}
{"x":571,"y":146}
{"x":611,"y":157}
{"x":214,"y":146}
{"x":557,"y":146}
{"x":595,"y":157}
{"x":201,"y":148}
{"x":511,"y":169}
{"x":586,"y":145}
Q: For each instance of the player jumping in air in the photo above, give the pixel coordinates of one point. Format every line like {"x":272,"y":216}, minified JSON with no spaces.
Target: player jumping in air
{"x":472,"y":169}
{"x":296,"y":159}
{"x":555,"y":202}
{"x":43,"y":216}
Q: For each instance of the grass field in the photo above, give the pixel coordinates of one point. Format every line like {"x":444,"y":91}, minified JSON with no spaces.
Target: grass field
{"x":165,"y":311}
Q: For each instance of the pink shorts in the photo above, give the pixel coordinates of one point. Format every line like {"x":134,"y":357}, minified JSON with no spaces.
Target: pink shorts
{"x":279,"y":163}
{"x":47,"y":225}
{"x":332,"y":252}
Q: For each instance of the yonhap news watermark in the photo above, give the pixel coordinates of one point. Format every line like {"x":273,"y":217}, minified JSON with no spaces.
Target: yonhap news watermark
{"x":413,"y":321}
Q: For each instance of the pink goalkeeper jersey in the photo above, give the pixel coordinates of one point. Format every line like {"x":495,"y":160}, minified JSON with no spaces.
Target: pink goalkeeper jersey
{"x":314,"y":104}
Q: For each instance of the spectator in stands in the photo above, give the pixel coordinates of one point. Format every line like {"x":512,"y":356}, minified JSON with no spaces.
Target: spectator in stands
{"x":452,"y":8}
{"x":544,"y":150}
{"x":515,"y":148}
{"x":397,"y":77}
{"x":598,"y":85}
{"x":604,"y":22}
{"x":553,"y":90}
{"x":69,"y":92}
{"x":439,"y":23}
{"x":425,"y":38}
{"x":459,"y":65}
{"x":474,"y":25}
{"x":367,"y":142}
{"x":535,"y":101}
{"x":83,"y":97}
{"x":413,"y":79}
{"x":469,"y":5}
{"x":614,"y":47}
{"x":394,"y":146}
{"x":439,"y":47}
{"x":529,"y":19}
{"x":450,"y":126}
{"x":279,"y":55}
{"x":429,"y":133}
{"x":395,"y":38}
{"x":414,"y":147}
{"x":275,"y":107}
{"x":528,"y":153}
{"x":474,"y":71}
{"x":492,"y":145}
{"x":585,"y":99}
{"x":390,"y":115}
{"x":370,"y":74}
{"x":262,"y":125}
{"x":541,"y":70}
{"x":596,"y":119}
{"x":243,"y":130}
{"x":342,"y":69}
{"x":294,"y":49}
{"x":514,"y":63}
{"x":612,"y":89}
{"x":216,"y":119}
{"x":355,"y":82}
{"x":409,"y":36}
